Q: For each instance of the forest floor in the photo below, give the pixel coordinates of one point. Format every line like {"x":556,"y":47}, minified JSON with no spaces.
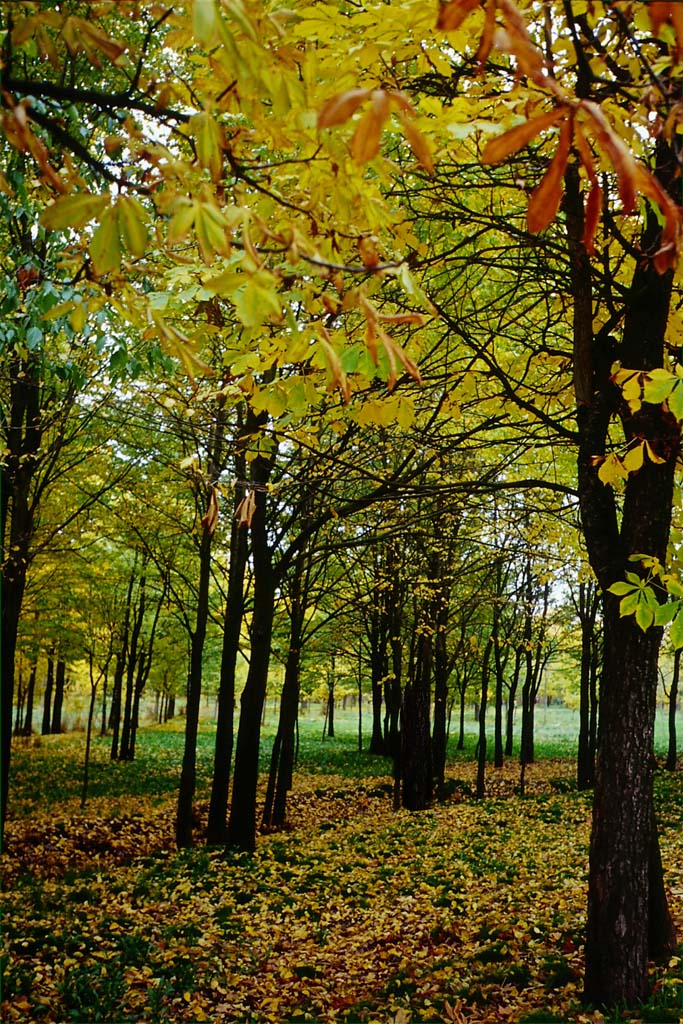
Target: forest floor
{"x":472,"y":911}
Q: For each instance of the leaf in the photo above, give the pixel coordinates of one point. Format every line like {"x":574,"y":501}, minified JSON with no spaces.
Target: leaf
{"x":545,"y":200}
{"x":676,"y":631}
{"x":366,"y":138}
{"x":644,"y":616}
{"x":210,"y":520}
{"x":634,"y":458}
{"x":622,"y":588}
{"x":105,"y":250}
{"x":208,"y":142}
{"x":339,"y":378}
{"x":513,"y":140}
{"x":205,"y":21}
{"x":133,"y":224}
{"x":452,"y":15}
{"x":73,"y":211}
{"x":419,"y":144}
{"x":619,"y":154}
{"x":338,"y":109}
{"x":658,"y":385}
{"x":665,"y":613}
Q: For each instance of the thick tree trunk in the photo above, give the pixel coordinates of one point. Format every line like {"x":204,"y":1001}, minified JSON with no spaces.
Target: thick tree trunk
{"x":242,"y":821}
{"x":416,"y":751}
{"x":623,"y":882}
{"x":232,"y":631}
{"x":624,"y":840}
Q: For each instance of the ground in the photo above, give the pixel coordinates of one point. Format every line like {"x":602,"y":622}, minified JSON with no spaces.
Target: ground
{"x":469,"y":912}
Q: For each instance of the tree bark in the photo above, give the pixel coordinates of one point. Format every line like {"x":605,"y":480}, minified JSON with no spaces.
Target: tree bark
{"x":242,"y":820}
{"x":622,"y":883}
{"x":60,"y":681}
{"x":47,"y":696}
{"x":671,"y":756}
{"x":232,"y":631}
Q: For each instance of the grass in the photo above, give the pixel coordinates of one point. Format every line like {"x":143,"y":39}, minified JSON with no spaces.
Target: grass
{"x":469,"y":912}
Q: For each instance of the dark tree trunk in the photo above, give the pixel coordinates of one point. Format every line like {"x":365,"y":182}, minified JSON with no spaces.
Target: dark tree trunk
{"x":47,"y":697}
{"x":623,"y":882}
{"x":673,"y":705}
{"x":587,"y":607}
{"x":461,"y":718}
{"x":126,"y":748}
{"x":23,"y":439}
{"x":440,"y":738}
{"x":328,"y":726}
{"x":481,"y":742}
{"x":416,"y":752}
{"x":60,"y":680}
{"x":188,"y":772}
{"x":232,"y":631}
{"x":30,"y":695}
{"x":242,"y":820}
{"x":498,"y":759}
{"x":512,"y":697}
{"x":122,"y":656}
{"x":282,"y":758}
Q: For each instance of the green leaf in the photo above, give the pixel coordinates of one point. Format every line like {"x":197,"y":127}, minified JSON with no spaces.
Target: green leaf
{"x":665,"y":613}
{"x":628,"y":605}
{"x":676,"y":631}
{"x":621,"y":588}
{"x":73,"y":211}
{"x":644,"y":615}
{"x":675,"y":401}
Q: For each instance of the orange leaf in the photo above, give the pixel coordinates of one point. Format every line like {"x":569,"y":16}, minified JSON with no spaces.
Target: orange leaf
{"x":452,"y":15}
{"x":419,"y":145}
{"x":339,"y":108}
{"x":513,"y":140}
{"x":486,"y":41}
{"x":244,"y":512}
{"x":622,"y":159}
{"x":210,"y":520}
{"x":545,"y":201}
{"x":366,"y":138}
{"x":529,"y":57}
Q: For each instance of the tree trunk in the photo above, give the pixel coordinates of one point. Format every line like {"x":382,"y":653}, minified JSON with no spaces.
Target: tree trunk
{"x":60,"y":680}
{"x":47,"y":697}
{"x":416,"y":752}
{"x":232,"y":631}
{"x":30,"y":694}
{"x":623,"y":883}
{"x":512,"y":697}
{"x":188,"y":772}
{"x":673,"y":705}
{"x":242,"y":821}
{"x":481,"y":742}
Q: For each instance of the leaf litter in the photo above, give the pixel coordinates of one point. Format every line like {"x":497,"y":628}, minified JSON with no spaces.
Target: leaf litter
{"x":469,"y":912}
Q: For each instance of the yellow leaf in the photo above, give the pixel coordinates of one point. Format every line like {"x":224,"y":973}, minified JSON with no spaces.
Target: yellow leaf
{"x":633,"y":460}
{"x":205,"y":21}
{"x":73,"y":211}
{"x":132,"y":222}
{"x":105,"y":250}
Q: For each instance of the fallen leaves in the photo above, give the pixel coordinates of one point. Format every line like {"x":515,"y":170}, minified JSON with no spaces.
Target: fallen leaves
{"x":469,"y":912}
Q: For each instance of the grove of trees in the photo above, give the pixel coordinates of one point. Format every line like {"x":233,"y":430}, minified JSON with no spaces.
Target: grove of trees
{"x":349,"y":335}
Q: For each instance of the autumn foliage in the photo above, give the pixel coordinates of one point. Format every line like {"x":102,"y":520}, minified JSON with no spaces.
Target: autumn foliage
{"x":470,"y":912}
